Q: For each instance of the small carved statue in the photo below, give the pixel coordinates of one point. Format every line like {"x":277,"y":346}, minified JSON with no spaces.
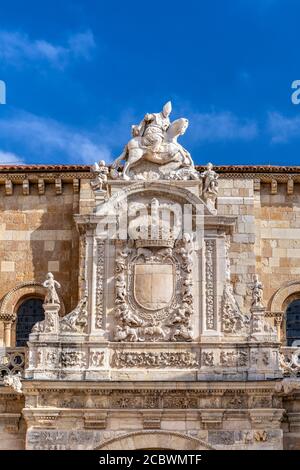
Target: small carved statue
{"x":187,"y":295}
{"x":13,"y":381}
{"x":121,"y":258}
{"x":185,"y":249}
{"x":120,"y":288}
{"x":257,"y":293}
{"x":100,"y":171}
{"x":210,"y":184}
{"x":181,"y":328}
{"x":51,"y":284}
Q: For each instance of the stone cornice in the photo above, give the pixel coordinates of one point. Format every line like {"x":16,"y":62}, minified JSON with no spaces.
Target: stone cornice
{"x":83,"y":171}
{"x":44,"y":168}
{"x":32,"y":386}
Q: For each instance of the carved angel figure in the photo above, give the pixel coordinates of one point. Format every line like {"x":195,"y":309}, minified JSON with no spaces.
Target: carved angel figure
{"x":51,"y":284}
{"x":120,"y":288}
{"x":121,"y":258}
{"x":100,"y":171}
{"x":210,"y":177}
{"x":257,"y":292}
{"x":185,"y":248}
{"x":210,"y":186}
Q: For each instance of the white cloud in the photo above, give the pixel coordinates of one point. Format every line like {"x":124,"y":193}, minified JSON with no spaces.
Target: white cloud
{"x":82,"y":44}
{"x":8,"y":158}
{"x":220,"y":127}
{"x":16,"y":48}
{"x":282,"y":129}
{"x":47,"y":138}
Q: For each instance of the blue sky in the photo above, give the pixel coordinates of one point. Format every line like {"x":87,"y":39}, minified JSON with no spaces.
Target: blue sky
{"x":79,"y":73}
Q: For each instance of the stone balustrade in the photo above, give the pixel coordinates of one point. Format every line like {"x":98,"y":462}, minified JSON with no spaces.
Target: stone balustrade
{"x":12,"y":361}
{"x":290,"y":361}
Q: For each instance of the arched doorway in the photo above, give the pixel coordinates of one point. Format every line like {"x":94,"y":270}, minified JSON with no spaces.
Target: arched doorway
{"x":29,"y":312}
{"x":292,"y":326}
{"x":158,"y":440}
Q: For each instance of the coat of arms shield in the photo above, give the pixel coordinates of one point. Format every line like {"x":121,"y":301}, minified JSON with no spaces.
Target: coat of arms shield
{"x":154,"y":285}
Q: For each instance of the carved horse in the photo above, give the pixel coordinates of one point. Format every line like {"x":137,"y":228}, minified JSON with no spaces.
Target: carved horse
{"x":170,"y":153}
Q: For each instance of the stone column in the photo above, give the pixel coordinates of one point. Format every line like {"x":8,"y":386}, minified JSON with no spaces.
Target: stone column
{"x":7,"y":334}
{"x":277,"y":322}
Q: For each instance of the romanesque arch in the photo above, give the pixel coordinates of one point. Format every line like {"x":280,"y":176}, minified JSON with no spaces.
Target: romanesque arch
{"x":12,"y":300}
{"x":284,"y":295}
{"x":164,"y":440}
{"x":279,"y":302}
{"x":157,"y":188}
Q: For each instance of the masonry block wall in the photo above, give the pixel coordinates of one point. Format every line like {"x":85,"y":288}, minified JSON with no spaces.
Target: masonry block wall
{"x":38,"y":234}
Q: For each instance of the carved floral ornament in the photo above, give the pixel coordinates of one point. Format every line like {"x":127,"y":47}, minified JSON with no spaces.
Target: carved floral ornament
{"x":167,"y":398}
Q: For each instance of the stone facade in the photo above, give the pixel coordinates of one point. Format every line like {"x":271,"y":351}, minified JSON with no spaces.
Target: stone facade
{"x":157,"y":328}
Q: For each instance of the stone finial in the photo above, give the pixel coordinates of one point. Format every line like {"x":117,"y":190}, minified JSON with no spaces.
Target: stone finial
{"x":51,"y":284}
{"x":100,"y":171}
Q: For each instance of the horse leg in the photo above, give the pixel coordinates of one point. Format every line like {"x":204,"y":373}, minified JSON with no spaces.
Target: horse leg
{"x":120,"y":158}
{"x":133,"y":156}
{"x":186,"y":155}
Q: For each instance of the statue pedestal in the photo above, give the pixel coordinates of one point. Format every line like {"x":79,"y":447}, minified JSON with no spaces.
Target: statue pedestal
{"x":260,"y":329}
{"x":99,"y":196}
{"x":257,"y":315}
{"x":51,"y":322}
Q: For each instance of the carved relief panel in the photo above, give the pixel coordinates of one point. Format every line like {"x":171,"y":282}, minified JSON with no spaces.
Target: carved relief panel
{"x":154,"y":283}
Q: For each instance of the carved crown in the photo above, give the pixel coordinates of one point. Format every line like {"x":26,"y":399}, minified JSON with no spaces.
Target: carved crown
{"x":151,"y":243}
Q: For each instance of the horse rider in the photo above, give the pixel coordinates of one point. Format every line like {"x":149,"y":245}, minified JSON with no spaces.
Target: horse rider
{"x":153,"y":127}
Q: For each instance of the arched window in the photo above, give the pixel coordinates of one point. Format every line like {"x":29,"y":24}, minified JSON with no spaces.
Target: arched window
{"x":293,"y":323}
{"x":29,"y":313}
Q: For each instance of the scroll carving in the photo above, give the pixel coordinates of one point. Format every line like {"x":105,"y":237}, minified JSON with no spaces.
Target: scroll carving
{"x":210,"y":250}
{"x":77,"y":320}
{"x":100,"y":284}
{"x":155,"y":359}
